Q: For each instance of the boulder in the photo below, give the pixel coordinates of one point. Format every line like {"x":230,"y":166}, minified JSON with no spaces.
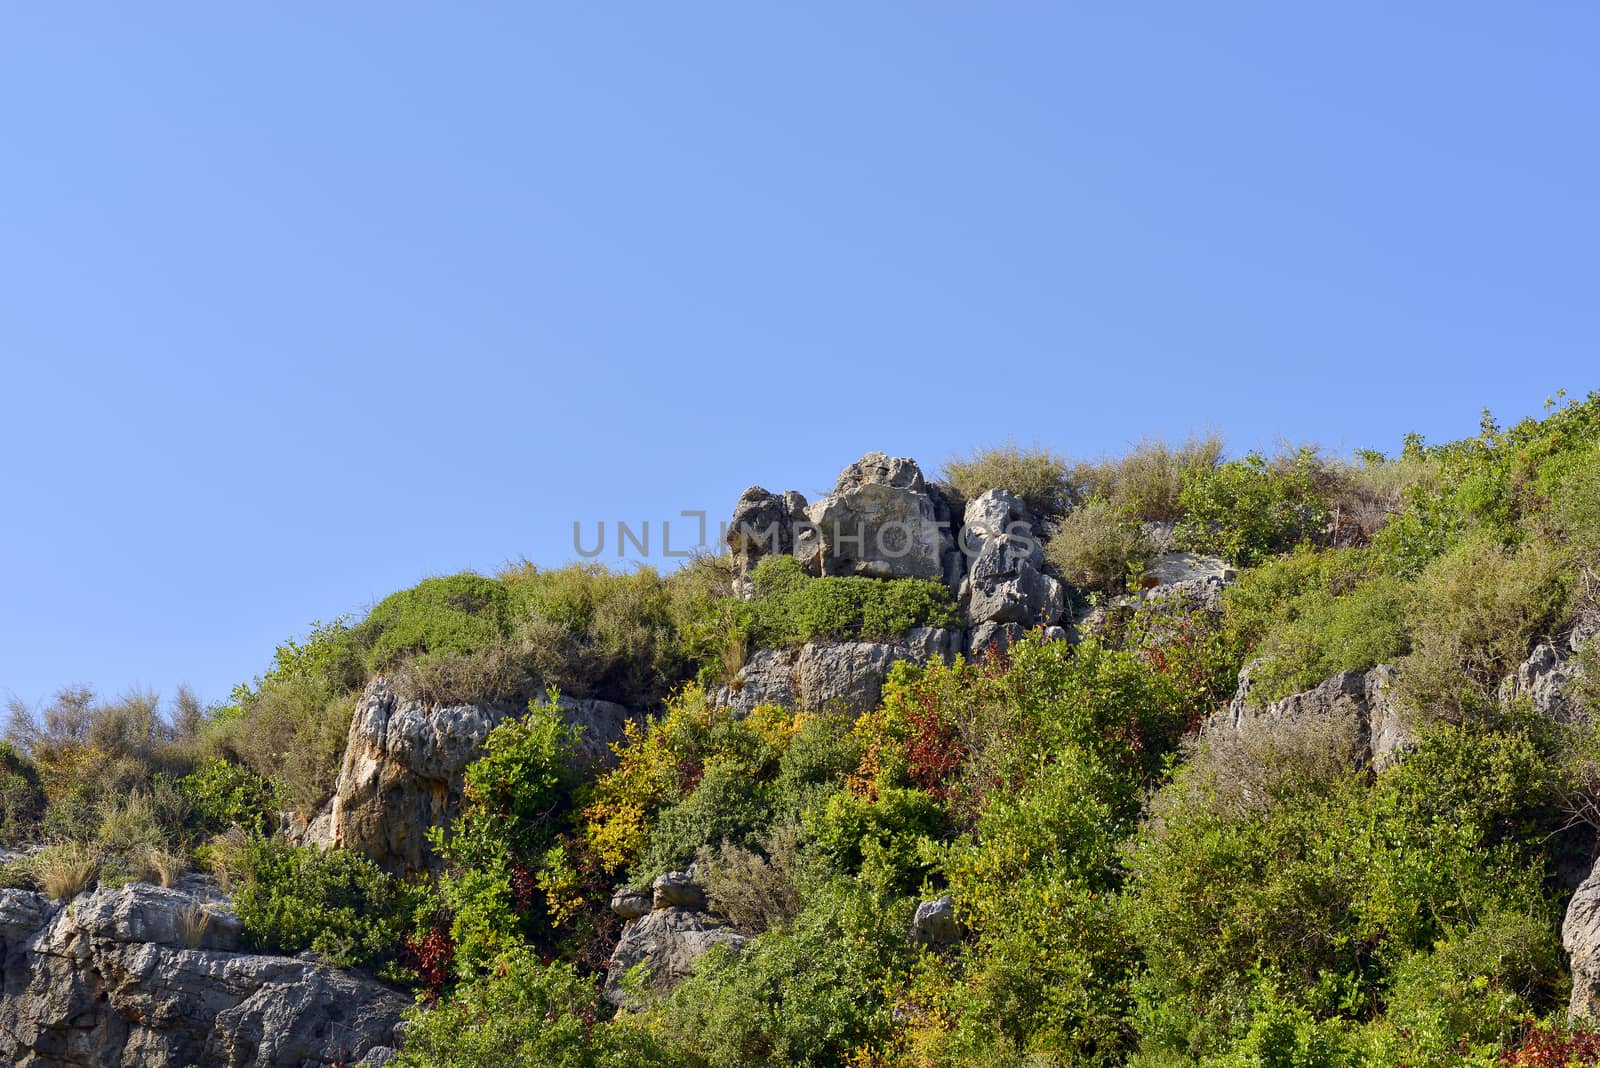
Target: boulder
{"x":934,"y":923}
{"x":1545,"y":680}
{"x":151,"y":976}
{"x":677,"y":890}
{"x":763,"y":524}
{"x":630,"y":904}
{"x":403,"y":763}
{"x":986,"y":638}
{"x":1364,"y":699}
{"x":1173,"y":569}
{"x":881,"y":521}
{"x":844,"y":675}
{"x":1006,"y":582}
{"x":666,"y":942}
{"x":1580,"y":936}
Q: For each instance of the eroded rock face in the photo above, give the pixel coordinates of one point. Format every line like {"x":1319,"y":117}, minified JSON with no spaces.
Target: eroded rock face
{"x":1006,"y":590}
{"x":763,"y":524}
{"x":1580,"y":936}
{"x":404,"y":760}
{"x":1364,"y":699}
{"x":152,"y":977}
{"x":1545,"y":680}
{"x":882,"y":521}
{"x":934,"y":923}
{"x":667,"y":940}
{"x":845,"y":675}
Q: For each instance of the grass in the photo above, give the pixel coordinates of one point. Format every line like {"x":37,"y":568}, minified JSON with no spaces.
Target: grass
{"x":66,"y":869}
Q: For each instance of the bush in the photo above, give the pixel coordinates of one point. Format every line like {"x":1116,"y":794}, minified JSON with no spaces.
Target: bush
{"x":457,"y":614}
{"x":756,"y":890}
{"x":591,"y":632}
{"x":21,"y":797}
{"x":1043,"y":479}
{"x":293,"y":731}
{"x":524,"y":1013}
{"x":1475,"y":614}
{"x":1248,"y":510}
{"x":336,"y":903}
{"x":1098,"y":546}
{"x":224,"y":795}
{"x":66,"y":869}
{"x":792,"y":608}
{"x":1146,"y":482}
{"x":1329,"y":634}
{"x":727,"y":806}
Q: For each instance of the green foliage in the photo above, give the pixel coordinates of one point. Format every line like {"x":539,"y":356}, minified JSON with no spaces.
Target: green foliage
{"x":1323,"y":887}
{"x":338,"y":904}
{"x":1040,"y":477}
{"x":885,"y":841}
{"x":807,"y":995}
{"x":1476,"y":612}
{"x":591,"y":632}
{"x":1098,"y":546}
{"x":224,"y":795}
{"x":1328,"y":634}
{"x":1249,"y":510}
{"x":523,"y":1013}
{"x":792,"y":608}
{"x":457,"y":614}
{"x":516,"y":797}
{"x":21,"y":796}
{"x":727,"y":805}
{"x":1146,"y":482}
{"x":291,"y":730}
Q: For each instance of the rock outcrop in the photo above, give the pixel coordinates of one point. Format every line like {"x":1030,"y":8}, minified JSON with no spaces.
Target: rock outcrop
{"x":665,"y":942}
{"x":152,"y":977}
{"x":846,"y":675}
{"x":763,"y":524}
{"x":1546,"y":681}
{"x":882,"y":520}
{"x":1580,"y":936}
{"x":402,"y":767}
{"x":1006,"y":590}
{"x":934,"y":924}
{"x":1363,"y":699}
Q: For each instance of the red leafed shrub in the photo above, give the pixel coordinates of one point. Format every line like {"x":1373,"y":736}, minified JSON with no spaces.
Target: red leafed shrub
{"x":523,"y":887}
{"x":933,"y":752}
{"x":1545,"y":1047}
{"x":430,"y":956}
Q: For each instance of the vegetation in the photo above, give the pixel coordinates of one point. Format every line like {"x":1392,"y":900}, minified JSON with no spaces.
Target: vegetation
{"x":1129,"y":889}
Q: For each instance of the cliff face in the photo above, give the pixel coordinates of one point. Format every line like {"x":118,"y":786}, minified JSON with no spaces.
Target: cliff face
{"x":148,"y":976}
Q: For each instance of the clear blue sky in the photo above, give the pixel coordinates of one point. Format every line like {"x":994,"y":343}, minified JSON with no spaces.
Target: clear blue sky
{"x":302,"y":303}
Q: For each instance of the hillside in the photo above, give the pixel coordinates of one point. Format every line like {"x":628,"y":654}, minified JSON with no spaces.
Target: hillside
{"x":1169,"y":758}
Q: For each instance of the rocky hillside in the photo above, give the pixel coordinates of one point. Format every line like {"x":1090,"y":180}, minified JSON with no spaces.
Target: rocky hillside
{"x":1162,"y":759}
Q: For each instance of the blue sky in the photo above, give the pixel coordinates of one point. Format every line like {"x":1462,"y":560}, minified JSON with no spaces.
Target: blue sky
{"x":302,"y":303}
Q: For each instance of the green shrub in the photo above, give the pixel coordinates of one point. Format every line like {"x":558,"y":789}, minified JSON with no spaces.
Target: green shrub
{"x":1146,"y":482}
{"x":1330,"y":634}
{"x":293,"y":731}
{"x":1043,"y":479}
{"x":224,"y":795}
{"x":524,"y":1013}
{"x":591,"y":632}
{"x":456,"y":614}
{"x":21,"y":796}
{"x":1248,"y":510}
{"x":792,"y":608}
{"x":885,"y":841}
{"x":1475,"y":614}
{"x":727,"y":806}
{"x":806,"y":996}
{"x":336,"y":903}
{"x":1098,"y":546}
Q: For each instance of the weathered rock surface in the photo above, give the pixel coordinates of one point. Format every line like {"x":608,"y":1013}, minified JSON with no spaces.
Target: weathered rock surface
{"x":763,"y":524}
{"x":402,"y":767}
{"x":1546,"y":680}
{"x":882,"y":521}
{"x":1006,"y":582}
{"x":934,"y":924}
{"x":1363,"y":699}
{"x":1580,"y":936}
{"x":667,"y":941}
{"x":152,"y":977}
{"x":847,"y":675}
